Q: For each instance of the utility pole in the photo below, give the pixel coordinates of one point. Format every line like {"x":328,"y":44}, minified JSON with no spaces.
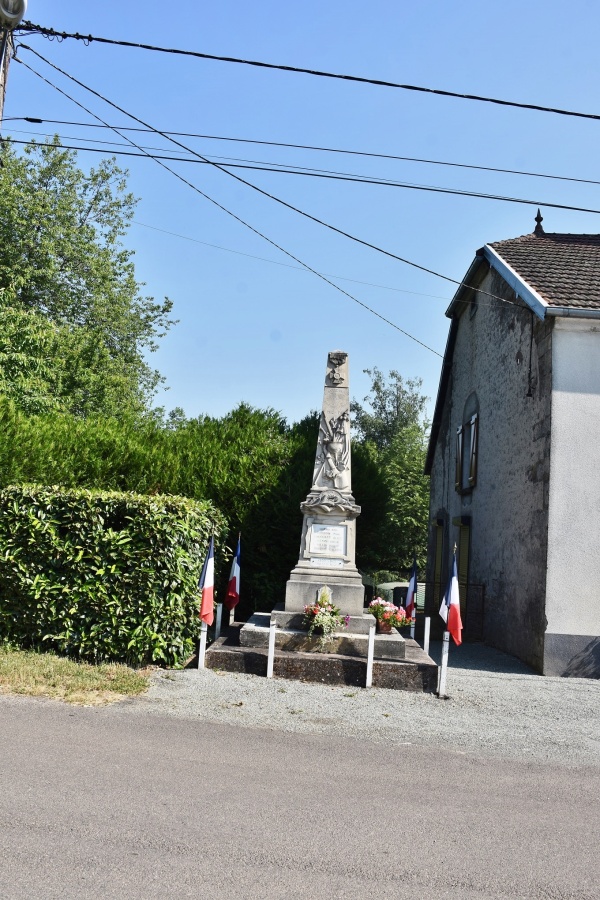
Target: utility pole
{"x":11,"y":14}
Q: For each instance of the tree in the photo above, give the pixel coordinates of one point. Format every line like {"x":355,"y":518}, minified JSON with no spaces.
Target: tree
{"x":392,"y":436}
{"x":67,"y":279}
{"x":395,"y":404}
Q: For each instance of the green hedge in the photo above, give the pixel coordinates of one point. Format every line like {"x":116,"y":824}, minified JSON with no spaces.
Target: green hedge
{"x":103,"y":575}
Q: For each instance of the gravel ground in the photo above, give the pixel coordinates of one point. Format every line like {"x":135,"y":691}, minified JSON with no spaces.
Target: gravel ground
{"x":497,"y":706}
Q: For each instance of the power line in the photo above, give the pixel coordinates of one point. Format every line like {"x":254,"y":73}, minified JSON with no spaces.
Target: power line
{"x":237,"y":178}
{"x":363,"y":153}
{"x":29,"y":28}
{"x":331,"y":176}
{"x":220,"y":206}
{"x":249,"y":184}
{"x":273,"y":262}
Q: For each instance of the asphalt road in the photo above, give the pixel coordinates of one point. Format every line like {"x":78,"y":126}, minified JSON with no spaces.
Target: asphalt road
{"x":95,"y":803}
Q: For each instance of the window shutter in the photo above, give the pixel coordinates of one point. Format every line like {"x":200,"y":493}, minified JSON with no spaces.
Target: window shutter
{"x":473,"y":453}
{"x":437,"y":572}
{"x":459,"y":458}
{"x":463,"y":567}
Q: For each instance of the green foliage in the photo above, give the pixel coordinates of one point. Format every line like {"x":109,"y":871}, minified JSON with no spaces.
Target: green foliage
{"x":68,"y":292}
{"x":392,"y":442}
{"x":249,"y":463}
{"x":102,"y":575}
{"x":394,"y":404}
{"x":28,"y":348}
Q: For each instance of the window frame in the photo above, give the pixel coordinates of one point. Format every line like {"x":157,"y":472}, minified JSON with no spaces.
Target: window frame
{"x":467,"y":441}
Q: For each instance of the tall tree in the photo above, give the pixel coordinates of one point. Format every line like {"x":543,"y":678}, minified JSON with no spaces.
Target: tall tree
{"x":394,"y":404}
{"x":66,"y":277}
{"x":391,"y":433}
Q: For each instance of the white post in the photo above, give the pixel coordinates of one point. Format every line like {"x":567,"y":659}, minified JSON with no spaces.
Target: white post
{"x":271,"y":656}
{"x":444,"y":666}
{"x":202,"y":649}
{"x":232,"y":616}
{"x":218,"y":621}
{"x":412,"y":624}
{"x":370,"y":655}
{"x":426,"y":635}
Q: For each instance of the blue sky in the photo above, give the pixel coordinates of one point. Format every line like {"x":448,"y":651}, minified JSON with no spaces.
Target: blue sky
{"x":251,"y":327}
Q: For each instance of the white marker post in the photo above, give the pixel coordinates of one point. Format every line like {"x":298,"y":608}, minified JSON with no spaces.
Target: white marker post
{"x":271,"y":656}
{"x":202,"y":649}
{"x":218,"y":621}
{"x":413,"y":622}
{"x":232,"y":616}
{"x":444,"y":666}
{"x":370,"y":655}
{"x":426,"y":635}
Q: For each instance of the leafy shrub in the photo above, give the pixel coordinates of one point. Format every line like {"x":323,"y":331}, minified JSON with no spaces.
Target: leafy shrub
{"x":250,"y":463}
{"x":102,"y":575}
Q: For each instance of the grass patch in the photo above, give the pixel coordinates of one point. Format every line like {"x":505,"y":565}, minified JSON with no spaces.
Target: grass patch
{"x":47,"y":675}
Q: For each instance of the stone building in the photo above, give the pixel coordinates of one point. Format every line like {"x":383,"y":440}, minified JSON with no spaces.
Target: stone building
{"x":514,"y":453}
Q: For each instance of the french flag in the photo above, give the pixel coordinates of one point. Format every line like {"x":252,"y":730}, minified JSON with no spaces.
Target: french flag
{"x":232,"y":597}
{"x":207,"y":585}
{"x":450,"y":608}
{"x":411,"y":595}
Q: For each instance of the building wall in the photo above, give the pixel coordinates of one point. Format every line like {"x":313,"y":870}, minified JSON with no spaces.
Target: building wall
{"x":572,"y":644}
{"x":508,"y":507}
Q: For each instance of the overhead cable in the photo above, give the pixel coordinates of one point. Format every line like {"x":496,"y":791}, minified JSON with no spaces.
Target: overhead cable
{"x":224,"y":209}
{"x":274,"y":262}
{"x":363,"y":153}
{"x":331,"y":176}
{"x":30,"y":28}
{"x":238,"y":178}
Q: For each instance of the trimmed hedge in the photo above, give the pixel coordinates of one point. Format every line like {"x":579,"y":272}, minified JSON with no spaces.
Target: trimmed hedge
{"x":103,"y":575}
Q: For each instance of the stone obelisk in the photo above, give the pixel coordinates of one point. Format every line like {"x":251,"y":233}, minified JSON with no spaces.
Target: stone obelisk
{"x":327,"y":545}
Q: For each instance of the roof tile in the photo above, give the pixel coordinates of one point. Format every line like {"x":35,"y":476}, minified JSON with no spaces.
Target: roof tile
{"x":563,"y":268}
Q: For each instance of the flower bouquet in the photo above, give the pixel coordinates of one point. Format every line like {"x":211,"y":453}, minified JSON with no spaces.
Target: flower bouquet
{"x":388,"y":615}
{"x":323,"y":618}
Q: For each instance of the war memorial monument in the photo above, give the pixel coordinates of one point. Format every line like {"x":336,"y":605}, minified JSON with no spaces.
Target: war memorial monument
{"x":327,"y":558}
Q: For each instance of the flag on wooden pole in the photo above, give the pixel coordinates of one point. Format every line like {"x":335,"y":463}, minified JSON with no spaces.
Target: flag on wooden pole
{"x":207,"y":585}
{"x":232,"y":597}
{"x":411,"y":594}
{"x":450,"y":608}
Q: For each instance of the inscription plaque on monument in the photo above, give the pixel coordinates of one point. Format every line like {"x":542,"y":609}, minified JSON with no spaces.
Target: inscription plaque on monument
{"x":324,"y":563}
{"x":329,"y":539}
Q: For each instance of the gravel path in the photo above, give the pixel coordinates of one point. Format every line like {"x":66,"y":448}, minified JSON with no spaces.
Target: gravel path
{"x":497,"y":707}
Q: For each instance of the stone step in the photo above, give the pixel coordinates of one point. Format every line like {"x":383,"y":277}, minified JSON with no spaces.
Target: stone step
{"x":255,"y":633}
{"x":417,"y":672}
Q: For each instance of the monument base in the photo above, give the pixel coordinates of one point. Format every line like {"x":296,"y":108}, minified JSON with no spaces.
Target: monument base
{"x":292,"y":635}
{"x":347,"y":590}
{"x":415,"y":672}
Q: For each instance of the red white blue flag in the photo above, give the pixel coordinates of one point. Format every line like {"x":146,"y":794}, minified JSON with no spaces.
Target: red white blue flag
{"x":232,"y":597}
{"x":450,"y":608}
{"x":411,"y":595}
{"x":207,"y":585}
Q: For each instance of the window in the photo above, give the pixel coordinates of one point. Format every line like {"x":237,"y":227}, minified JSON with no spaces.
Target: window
{"x":465,"y":477}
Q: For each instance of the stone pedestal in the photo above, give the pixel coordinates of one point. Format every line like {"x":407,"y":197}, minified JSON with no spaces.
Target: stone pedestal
{"x":327,"y":545}
{"x":291,"y":636}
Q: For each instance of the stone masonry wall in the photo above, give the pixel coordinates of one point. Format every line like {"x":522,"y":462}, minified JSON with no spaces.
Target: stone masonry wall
{"x":508,"y":507}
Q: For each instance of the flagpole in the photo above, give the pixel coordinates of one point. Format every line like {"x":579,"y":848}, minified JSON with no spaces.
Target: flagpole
{"x":426,"y":635}
{"x":218,"y":621}
{"x":271,"y":652}
{"x":444,"y":667}
{"x":370,"y":655}
{"x":202,"y":649}
{"x":207,"y":590}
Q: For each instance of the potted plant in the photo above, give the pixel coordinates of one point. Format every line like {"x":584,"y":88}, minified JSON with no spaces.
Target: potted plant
{"x":388,"y":615}
{"x":323,"y":618}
